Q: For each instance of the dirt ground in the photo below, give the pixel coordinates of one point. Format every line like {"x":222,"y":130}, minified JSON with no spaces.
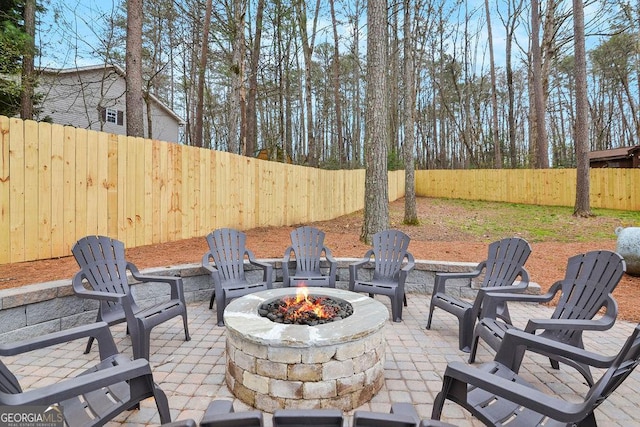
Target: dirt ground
{"x":432,"y":240}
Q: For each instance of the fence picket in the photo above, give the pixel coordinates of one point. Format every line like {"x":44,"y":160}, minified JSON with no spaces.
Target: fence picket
{"x":16,"y":180}
{"x":80,"y":184}
{"x":113,"y":194}
{"x":92,"y":183}
{"x":31,"y":198}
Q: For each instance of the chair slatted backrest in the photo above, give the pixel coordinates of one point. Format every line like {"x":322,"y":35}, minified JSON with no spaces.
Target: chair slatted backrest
{"x":588,"y":281}
{"x":505,"y":260}
{"x":622,"y":367}
{"x":390,"y":249}
{"x":307,"y":243}
{"x":227,"y":247}
{"x":102,"y":260}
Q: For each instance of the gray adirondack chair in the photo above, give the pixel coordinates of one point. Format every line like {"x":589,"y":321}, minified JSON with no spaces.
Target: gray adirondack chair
{"x":308,"y":417}
{"x":503,"y":266}
{"x":93,"y":398}
{"x":392,"y":264}
{"x":103,"y":277}
{"x":589,"y":280}
{"x":187,"y":422}
{"x":400,"y":415}
{"x":225,"y":262}
{"x":512,"y":398}
{"x":307,"y":247}
{"x":220,"y":413}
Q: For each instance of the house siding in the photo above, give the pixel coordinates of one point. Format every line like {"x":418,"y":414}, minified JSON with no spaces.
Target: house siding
{"x":74,"y":98}
{"x":164,"y":127}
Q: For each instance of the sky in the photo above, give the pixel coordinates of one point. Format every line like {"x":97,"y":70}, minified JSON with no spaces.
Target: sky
{"x":70,"y":41}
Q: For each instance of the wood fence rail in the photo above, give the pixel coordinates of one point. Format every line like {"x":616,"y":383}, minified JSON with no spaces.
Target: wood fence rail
{"x":58,"y":184}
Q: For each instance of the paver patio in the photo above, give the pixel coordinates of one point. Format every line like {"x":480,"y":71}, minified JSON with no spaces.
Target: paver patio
{"x":192,"y":373}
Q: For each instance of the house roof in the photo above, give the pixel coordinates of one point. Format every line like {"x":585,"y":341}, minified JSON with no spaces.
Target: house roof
{"x":615,"y":153}
{"x":119,"y":71}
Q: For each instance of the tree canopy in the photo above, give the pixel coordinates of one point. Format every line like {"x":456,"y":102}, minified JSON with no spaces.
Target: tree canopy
{"x":13,"y":41}
{"x":288,"y":77}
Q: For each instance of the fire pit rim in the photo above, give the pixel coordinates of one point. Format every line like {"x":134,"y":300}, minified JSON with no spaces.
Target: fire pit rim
{"x":241,"y":317}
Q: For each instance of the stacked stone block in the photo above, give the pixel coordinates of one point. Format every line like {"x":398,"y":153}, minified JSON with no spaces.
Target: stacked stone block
{"x":344,"y":375}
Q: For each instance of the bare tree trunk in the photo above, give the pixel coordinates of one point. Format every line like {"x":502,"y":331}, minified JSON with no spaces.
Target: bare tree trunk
{"x":307,"y":49}
{"x":288,"y":116}
{"x":147,"y":103}
{"x":631,"y":102}
{"x":28,"y":74}
{"x":562,"y":129}
{"x":541,"y":142}
{"x":283,"y":82}
{"x":376,"y":193}
{"x":497,"y":159}
{"x":356,"y":153}
{"x":510,"y":24}
{"x":511,"y":116}
{"x":410,"y":213}
{"x":393,"y":81}
{"x":133,"y":98}
{"x":582,"y":207}
{"x":252,"y":116}
{"x":336,"y":89}
{"x":287,"y":108}
{"x":204,"y":51}
{"x":548,"y":47}
{"x":237,"y":103}
{"x":441,"y":119}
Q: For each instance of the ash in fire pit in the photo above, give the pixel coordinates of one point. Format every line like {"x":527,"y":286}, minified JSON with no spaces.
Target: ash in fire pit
{"x":305,"y":309}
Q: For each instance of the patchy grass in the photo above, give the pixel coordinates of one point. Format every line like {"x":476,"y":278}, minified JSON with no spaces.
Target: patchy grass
{"x":493,"y":220}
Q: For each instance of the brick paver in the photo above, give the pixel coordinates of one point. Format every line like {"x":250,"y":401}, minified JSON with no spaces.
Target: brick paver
{"x":192,"y":373}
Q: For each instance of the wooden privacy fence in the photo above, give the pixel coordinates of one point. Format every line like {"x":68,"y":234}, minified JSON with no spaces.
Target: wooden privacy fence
{"x":609,"y":188}
{"x":58,"y":184}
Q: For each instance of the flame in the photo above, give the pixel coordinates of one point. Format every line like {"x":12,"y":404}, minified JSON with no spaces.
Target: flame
{"x":302,"y":305}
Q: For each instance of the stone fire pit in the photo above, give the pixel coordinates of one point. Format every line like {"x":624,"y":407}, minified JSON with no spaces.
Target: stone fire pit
{"x":275,"y":366}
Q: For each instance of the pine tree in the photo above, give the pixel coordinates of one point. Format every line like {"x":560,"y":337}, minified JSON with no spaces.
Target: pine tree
{"x":13,"y":40}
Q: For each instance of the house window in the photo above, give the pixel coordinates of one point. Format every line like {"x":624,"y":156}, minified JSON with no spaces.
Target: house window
{"x":111,"y":115}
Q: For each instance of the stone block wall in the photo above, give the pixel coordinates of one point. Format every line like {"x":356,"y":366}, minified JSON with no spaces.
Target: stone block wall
{"x":38,"y":309}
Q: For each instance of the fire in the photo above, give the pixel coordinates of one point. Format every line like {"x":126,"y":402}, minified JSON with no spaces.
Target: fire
{"x":303,"y":305}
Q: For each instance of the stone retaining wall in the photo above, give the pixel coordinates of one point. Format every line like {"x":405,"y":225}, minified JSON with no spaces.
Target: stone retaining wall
{"x":42,"y":308}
